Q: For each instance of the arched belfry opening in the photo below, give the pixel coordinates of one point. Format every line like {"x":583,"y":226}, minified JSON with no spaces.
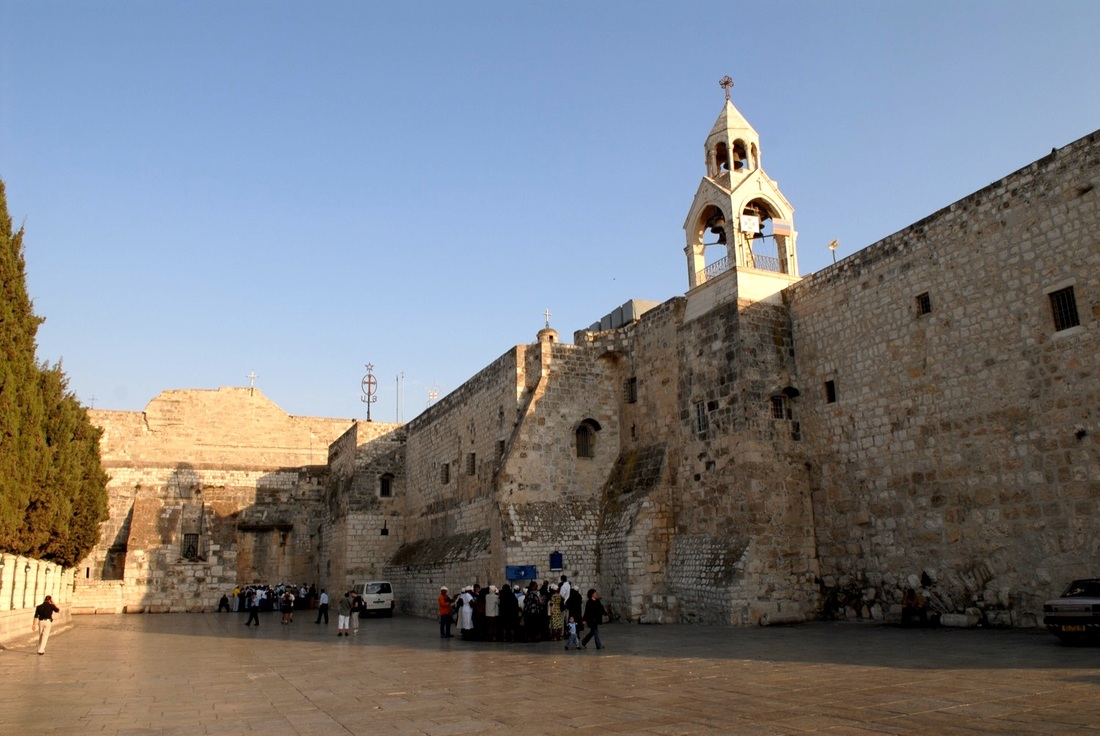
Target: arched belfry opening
{"x":763,"y":237}
{"x":721,"y":158}
{"x":740,"y":156}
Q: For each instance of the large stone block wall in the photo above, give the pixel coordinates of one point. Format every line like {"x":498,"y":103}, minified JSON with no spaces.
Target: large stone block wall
{"x":227,"y":465}
{"x":743,"y":551}
{"x":963,"y":442}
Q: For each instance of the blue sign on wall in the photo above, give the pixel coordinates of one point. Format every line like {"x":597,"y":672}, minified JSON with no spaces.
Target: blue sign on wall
{"x":521,"y":572}
{"x":555,"y":561}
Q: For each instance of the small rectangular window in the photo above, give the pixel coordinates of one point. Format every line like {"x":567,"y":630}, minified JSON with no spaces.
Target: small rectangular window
{"x":1064,"y":306}
{"x":830,"y":392}
{"x":190,"y":546}
{"x":445,"y":473}
{"x":630,"y":390}
{"x":779,"y":408}
{"x":385,"y":487}
{"x":702,"y":421}
{"x":924,"y":304}
{"x":471,"y":463}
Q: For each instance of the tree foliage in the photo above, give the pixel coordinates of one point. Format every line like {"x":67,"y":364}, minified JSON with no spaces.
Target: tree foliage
{"x":52,"y":485}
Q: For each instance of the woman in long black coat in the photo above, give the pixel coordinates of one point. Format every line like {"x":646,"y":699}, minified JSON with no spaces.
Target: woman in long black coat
{"x":509,"y":614}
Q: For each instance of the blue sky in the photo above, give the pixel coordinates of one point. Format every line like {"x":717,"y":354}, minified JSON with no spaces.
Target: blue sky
{"x":298,"y":189}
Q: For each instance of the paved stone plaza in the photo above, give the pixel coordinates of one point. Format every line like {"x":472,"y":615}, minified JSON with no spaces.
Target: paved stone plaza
{"x":207,"y":673}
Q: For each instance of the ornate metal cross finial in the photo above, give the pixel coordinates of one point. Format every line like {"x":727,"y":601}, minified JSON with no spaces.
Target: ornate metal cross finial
{"x":725,"y":83}
{"x":547,"y":315}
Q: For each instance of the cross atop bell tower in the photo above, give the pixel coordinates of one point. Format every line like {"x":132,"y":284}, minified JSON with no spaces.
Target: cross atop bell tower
{"x":725,"y":83}
{"x":738,"y":212}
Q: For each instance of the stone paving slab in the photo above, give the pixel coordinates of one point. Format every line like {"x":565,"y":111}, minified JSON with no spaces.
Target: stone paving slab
{"x":209,"y":674}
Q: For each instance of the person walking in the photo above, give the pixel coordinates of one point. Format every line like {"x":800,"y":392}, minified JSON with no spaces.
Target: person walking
{"x":593,"y":617}
{"x":253,"y":605}
{"x":43,"y":621}
{"x":322,"y":608}
{"x":343,"y":614}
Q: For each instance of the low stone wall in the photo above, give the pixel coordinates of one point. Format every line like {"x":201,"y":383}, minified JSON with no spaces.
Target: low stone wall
{"x":24,"y":582}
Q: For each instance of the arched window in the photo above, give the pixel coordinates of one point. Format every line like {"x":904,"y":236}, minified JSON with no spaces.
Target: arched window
{"x":385,"y":486}
{"x":586,"y":438}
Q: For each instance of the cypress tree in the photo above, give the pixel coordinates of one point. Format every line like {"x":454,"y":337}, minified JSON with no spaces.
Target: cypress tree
{"x":22,"y":444}
{"x":52,"y":486}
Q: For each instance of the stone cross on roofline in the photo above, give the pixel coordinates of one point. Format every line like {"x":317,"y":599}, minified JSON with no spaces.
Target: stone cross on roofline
{"x":546,"y":314}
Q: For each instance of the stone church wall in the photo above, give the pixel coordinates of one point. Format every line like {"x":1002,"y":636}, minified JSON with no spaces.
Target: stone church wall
{"x":962,"y":443}
{"x":363,"y":527}
{"x":229,"y":467}
{"x":743,"y":551}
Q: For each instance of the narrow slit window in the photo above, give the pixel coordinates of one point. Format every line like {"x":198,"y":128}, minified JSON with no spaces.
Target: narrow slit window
{"x":471,"y":463}
{"x":445,"y":473}
{"x":702,"y":420}
{"x":830,"y":392}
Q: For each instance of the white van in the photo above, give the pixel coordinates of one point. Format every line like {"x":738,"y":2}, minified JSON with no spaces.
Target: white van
{"x":378,"y":597}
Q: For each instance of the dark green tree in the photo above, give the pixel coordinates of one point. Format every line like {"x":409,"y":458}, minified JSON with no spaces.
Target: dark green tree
{"x":52,"y":485}
{"x":22,"y":444}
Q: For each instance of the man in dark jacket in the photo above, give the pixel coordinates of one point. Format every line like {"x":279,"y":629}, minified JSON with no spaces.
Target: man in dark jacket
{"x":43,"y":621}
{"x":593,"y":617}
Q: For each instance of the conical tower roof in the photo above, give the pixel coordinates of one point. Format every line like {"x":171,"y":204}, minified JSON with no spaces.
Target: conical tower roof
{"x":730,"y":120}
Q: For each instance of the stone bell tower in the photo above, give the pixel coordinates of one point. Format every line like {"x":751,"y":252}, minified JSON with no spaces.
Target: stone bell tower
{"x":741,"y":212}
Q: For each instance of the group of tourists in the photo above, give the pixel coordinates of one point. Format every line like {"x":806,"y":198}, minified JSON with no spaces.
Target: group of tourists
{"x":550,"y":612}
{"x":266,"y":598}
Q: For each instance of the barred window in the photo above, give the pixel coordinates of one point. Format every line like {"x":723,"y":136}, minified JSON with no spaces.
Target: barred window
{"x":584,"y":441}
{"x":500,"y":449}
{"x":924,"y":304}
{"x":630,"y":390}
{"x":702,"y":420}
{"x":1064,"y":307}
{"x":780,"y":408}
{"x":190,"y":546}
{"x":471,"y":463}
{"x":445,"y":473}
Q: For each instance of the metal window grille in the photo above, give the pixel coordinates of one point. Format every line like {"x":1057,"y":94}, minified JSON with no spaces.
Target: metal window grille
{"x":702,"y":421}
{"x":471,"y":463}
{"x":584,"y":441}
{"x":924,"y":304}
{"x":779,"y":408}
{"x":190,"y":546}
{"x":630,"y":390}
{"x":445,"y":473}
{"x":1064,"y":306}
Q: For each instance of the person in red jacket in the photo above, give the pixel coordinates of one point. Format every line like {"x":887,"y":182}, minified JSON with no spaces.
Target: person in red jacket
{"x":444,"y":613}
